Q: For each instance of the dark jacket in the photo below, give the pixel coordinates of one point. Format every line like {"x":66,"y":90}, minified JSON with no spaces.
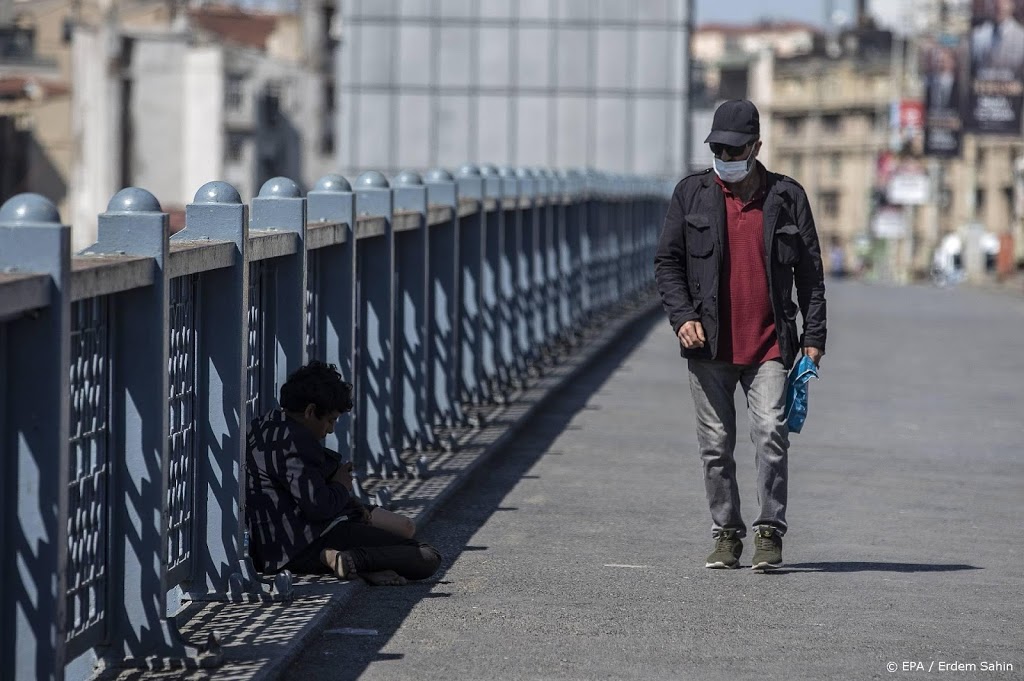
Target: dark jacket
{"x":289,"y":498}
{"x":688,"y":262}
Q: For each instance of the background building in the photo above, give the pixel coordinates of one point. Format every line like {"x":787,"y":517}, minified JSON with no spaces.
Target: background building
{"x":96,"y":95}
{"x":209,"y":92}
{"x":561,"y":83}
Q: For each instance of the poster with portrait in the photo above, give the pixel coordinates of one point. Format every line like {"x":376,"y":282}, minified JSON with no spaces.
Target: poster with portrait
{"x":942,"y":98}
{"x":996,"y":49}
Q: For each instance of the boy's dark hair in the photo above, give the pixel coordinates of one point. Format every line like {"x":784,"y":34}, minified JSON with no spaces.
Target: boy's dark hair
{"x":319,"y":384}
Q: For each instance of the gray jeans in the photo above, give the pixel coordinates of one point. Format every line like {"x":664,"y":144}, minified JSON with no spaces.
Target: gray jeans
{"x":713,"y":385}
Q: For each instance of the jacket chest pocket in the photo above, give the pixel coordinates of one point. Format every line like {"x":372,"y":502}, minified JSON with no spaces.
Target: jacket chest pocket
{"x":787,"y":244}
{"x":700,"y":242}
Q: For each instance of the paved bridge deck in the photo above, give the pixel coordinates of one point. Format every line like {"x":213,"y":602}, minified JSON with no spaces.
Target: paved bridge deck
{"x":578,"y":552}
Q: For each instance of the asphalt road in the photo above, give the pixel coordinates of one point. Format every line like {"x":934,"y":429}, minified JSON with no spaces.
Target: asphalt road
{"x":579,"y":553}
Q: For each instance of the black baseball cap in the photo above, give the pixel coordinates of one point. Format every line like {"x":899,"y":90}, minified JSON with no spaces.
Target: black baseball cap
{"x":736,"y":124}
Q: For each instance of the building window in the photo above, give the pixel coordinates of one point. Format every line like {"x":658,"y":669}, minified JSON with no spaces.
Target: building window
{"x":979,"y":201}
{"x":793,"y":125}
{"x":830,"y":123}
{"x":830,"y":204}
{"x":270,"y":103}
{"x":796,"y":166}
{"x":233,"y":92}
{"x":328,"y":94}
{"x":235,"y":146}
{"x":836,"y":164}
{"x":327,"y":140}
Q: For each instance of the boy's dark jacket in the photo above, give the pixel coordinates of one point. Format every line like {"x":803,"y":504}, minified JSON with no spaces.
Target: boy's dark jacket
{"x":290,"y":497}
{"x":688,"y":262}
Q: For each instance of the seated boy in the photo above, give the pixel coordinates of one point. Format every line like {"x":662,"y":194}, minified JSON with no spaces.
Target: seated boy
{"x":300,"y":510}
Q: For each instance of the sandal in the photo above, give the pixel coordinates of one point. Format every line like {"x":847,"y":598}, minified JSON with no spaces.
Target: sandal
{"x":340,"y":563}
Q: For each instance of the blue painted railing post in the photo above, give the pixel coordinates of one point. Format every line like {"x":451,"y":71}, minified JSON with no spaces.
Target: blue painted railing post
{"x":550,"y":243}
{"x":140,"y":631}
{"x":524,"y":259}
{"x":471,"y":248}
{"x":489,"y":281}
{"x":280,"y":207}
{"x":538,"y":270}
{"x":564,"y":257}
{"x":510,"y":305}
{"x":332,"y":202}
{"x":375,"y":272}
{"x":34,"y":443}
{"x":443,"y":403}
{"x":588,"y":230}
{"x":575,"y":214}
{"x":221,"y":567}
{"x":413,"y":429}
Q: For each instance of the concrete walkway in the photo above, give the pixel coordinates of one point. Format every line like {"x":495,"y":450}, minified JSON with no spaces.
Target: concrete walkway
{"x":578,"y":553}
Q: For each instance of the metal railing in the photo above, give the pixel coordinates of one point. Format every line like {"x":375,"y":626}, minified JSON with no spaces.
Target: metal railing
{"x":129,"y":372}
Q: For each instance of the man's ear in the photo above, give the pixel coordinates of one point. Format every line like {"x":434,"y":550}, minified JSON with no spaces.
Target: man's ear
{"x":310,"y":411}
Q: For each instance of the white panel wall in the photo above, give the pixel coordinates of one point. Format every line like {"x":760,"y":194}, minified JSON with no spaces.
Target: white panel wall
{"x":566,"y":83}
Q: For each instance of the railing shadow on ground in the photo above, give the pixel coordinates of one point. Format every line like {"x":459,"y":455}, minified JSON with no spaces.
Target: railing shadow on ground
{"x":383,"y":610}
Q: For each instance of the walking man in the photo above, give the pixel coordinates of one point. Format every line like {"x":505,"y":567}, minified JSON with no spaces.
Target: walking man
{"x":734,"y":243}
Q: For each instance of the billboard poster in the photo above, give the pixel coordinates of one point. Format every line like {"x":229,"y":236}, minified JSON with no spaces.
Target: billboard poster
{"x":942,"y":99}
{"x":996,"y":48}
{"x":906,"y":123}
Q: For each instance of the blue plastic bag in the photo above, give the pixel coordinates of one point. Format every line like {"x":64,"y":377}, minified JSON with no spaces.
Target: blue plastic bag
{"x":797,"y":392}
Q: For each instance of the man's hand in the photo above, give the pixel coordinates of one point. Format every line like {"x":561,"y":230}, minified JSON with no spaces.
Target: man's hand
{"x":815,"y":354}
{"x":691,"y":335}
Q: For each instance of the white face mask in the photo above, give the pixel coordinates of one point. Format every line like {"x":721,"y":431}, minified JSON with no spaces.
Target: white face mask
{"x":734,"y":171}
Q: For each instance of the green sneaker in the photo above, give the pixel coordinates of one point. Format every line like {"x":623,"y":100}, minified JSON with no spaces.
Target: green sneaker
{"x":767,"y":549}
{"x":726,"y":555}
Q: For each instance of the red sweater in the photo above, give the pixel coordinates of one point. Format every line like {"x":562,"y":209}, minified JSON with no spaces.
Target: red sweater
{"x":746,"y":333}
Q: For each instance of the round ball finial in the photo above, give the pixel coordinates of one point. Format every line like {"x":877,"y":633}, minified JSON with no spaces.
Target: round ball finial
{"x":333,"y":183}
{"x":279,"y":188}
{"x":439,"y":175}
{"x":488,"y":170}
{"x":133,"y":200}
{"x":407,"y":178}
{"x":218,"y":192}
{"x":469,"y":170}
{"x":372,"y":179}
{"x":29,"y":209}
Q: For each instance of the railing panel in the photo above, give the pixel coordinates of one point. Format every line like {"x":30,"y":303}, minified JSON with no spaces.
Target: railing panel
{"x":254,"y":407}
{"x":313,"y":289}
{"x":182,"y":434}
{"x":88,"y":569}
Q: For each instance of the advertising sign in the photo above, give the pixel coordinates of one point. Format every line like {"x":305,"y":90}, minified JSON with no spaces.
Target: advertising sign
{"x":996,"y":89}
{"x":942,"y":98}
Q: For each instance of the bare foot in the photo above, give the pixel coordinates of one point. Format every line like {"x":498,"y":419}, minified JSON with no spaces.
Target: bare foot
{"x":340,"y":562}
{"x":384,"y":578}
